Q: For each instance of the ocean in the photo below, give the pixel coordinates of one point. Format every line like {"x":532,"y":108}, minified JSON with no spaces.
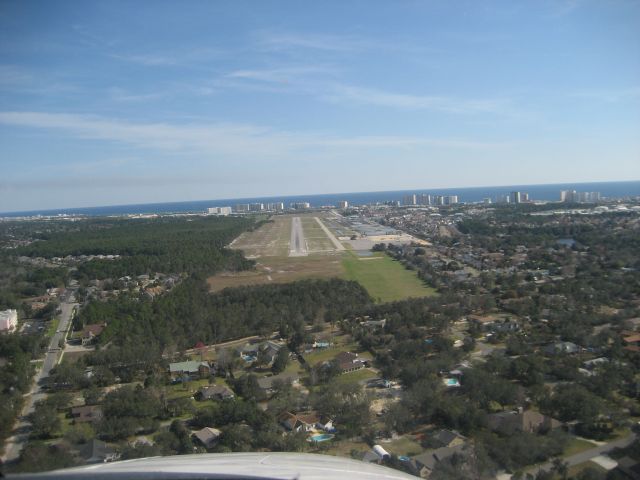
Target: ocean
{"x":468,"y":195}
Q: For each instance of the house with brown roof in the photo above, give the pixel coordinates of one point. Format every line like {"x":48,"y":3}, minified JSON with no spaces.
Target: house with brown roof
{"x":91,"y":332}
{"x":529,"y":421}
{"x":348,"y":362}
{"x":631,"y":340}
{"x":86,"y":413}
{"x":299,"y":422}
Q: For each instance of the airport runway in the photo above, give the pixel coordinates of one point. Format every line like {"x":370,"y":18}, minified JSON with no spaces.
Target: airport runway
{"x":298,"y":244}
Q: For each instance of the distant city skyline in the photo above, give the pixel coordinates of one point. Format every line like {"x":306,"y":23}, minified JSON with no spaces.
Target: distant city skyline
{"x":106,"y":104}
{"x":444,"y":196}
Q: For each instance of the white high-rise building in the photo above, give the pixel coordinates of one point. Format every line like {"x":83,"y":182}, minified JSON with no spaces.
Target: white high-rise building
{"x":300,"y":205}
{"x":241,"y":208}
{"x":343,"y":204}
{"x":424,"y":199}
{"x":219,"y":211}
{"x":409,"y":199}
{"x":8,"y":321}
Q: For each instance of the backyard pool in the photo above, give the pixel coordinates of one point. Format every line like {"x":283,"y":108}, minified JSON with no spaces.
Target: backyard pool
{"x":321,"y":437}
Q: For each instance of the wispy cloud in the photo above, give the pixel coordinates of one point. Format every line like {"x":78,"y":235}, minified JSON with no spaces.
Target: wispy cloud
{"x":282,"y":74}
{"x":610,"y":95}
{"x":120,"y":95}
{"x":382,"y":98}
{"x":171,"y":58}
{"x":13,"y":75}
{"x":148,"y":60}
{"x":321,"y":81}
{"x":324,"y":42}
{"x":223,"y":140}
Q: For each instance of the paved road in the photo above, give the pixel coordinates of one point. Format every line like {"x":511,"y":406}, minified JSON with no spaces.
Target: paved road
{"x":298,"y":244}
{"x":588,"y":454}
{"x":331,"y":236}
{"x":15,"y":443}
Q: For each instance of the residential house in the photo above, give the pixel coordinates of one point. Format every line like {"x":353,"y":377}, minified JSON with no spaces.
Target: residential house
{"x":445,"y":438}
{"x":374,"y":324}
{"x":97,"y":451}
{"x":91,"y":332}
{"x":268,"y":350}
{"x":628,"y":468}
{"x":86,"y":413}
{"x":348,"y":362}
{"x":267,"y":384}
{"x":529,"y":421}
{"x":425,"y":463}
{"x":631,"y":341}
{"x":189,"y":369}
{"x":215,"y":392}
{"x":484,"y":322}
{"x":595,"y":363}
{"x":325,"y":423}
{"x":289,"y":421}
{"x":208,"y":436}
{"x":558,"y":348}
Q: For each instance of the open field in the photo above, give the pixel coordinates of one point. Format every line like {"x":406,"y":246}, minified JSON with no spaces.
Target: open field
{"x":281,"y":270}
{"x":271,"y":239}
{"x":385,"y":279}
{"x":317,"y":240}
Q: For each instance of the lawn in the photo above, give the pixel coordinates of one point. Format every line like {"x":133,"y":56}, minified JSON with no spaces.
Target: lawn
{"x":581,"y":467}
{"x":385,"y":279}
{"x":577,"y":445}
{"x":355,"y":377}
{"x":403,"y":446}
{"x":178,"y":390}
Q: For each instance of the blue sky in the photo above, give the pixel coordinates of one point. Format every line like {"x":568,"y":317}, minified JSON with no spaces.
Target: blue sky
{"x":130,"y":102}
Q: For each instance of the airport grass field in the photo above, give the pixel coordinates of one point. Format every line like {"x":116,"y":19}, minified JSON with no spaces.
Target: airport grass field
{"x":385,"y":279}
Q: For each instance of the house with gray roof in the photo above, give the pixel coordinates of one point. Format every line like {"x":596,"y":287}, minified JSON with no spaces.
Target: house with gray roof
{"x":190,"y":369}
{"x":97,"y":451}
{"x":427,"y":461}
{"x":208,"y":436}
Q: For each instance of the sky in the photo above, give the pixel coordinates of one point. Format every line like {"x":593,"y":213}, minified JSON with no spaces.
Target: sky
{"x":109,"y":102}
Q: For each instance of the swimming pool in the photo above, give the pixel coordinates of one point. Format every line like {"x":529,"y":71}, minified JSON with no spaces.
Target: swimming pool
{"x":451,"y":382}
{"x":321,"y":437}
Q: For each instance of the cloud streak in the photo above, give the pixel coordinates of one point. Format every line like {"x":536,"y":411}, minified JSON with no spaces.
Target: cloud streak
{"x":382,"y":98}
{"x":223,"y":140}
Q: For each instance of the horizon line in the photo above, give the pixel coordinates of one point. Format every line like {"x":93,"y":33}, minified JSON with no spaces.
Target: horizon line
{"x":15,"y":212}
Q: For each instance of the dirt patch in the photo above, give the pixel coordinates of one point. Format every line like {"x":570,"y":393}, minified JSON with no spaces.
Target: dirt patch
{"x":281,"y":270}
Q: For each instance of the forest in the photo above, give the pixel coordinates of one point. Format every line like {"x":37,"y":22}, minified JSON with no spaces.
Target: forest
{"x":190,"y":313}
{"x":166,"y":244}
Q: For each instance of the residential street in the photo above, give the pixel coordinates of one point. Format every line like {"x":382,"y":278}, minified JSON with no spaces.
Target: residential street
{"x":588,"y":454}
{"x":16,"y":442}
